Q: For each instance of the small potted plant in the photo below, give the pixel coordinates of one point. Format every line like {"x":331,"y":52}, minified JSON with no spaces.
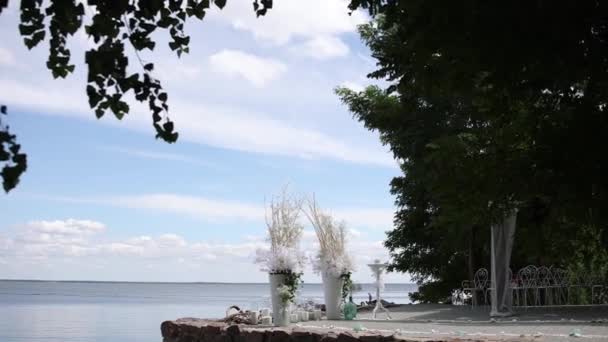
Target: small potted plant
{"x":283,"y":260}
{"x":332,"y":261}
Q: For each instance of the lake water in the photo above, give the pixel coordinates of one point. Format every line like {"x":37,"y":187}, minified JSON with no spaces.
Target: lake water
{"x":112,"y":311}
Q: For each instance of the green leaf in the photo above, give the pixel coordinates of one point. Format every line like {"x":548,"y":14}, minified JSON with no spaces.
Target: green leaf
{"x":220,"y":3}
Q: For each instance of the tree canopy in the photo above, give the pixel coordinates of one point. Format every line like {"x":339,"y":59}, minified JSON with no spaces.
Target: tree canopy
{"x":114,"y":27}
{"x":14,"y":162}
{"x":489,"y":106}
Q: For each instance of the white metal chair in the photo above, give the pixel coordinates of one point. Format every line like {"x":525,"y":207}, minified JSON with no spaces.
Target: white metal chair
{"x":543,"y":282}
{"x":480,"y":284}
{"x":527,"y":278}
{"x":559,"y":285}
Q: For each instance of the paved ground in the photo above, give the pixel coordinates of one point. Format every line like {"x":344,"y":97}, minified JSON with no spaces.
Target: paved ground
{"x":543,"y":324}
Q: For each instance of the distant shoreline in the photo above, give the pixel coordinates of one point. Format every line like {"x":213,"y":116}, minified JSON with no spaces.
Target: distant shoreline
{"x":159,"y":282}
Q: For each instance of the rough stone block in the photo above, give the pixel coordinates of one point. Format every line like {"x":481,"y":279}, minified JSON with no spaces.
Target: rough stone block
{"x":370,"y":338}
{"x":347,"y":337}
{"x":253,"y":336}
{"x":301,"y":335}
{"x":187,"y":338}
{"x":214,"y":328}
{"x":233,"y":330}
{"x":330,"y":337}
{"x":169,"y":329}
{"x":279,"y":336}
{"x":189,"y":330}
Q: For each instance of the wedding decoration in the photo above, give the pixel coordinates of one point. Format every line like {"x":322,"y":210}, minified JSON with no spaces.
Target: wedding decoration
{"x":377,"y":268}
{"x":332,"y":260}
{"x":283,"y":260}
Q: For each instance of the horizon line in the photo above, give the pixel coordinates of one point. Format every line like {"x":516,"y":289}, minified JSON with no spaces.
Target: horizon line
{"x":160,"y":282}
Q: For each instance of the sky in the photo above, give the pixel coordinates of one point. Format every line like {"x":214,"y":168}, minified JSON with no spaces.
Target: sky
{"x":254,"y":105}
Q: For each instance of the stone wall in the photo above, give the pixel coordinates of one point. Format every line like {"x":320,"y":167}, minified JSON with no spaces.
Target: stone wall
{"x":198,"y":330}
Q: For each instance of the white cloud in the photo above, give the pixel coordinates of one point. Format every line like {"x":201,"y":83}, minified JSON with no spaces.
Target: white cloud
{"x":146,"y":154}
{"x":376,"y":218}
{"x":198,"y":207}
{"x":95,"y":249}
{"x":180,"y":71}
{"x":69,"y":227}
{"x":352,"y":86}
{"x":256,"y":70}
{"x":217,"y":126}
{"x":60,"y":237}
{"x":322,"y":47}
{"x":216,"y":210}
{"x":7,"y":58}
{"x":293,"y":18}
{"x":254,"y":132}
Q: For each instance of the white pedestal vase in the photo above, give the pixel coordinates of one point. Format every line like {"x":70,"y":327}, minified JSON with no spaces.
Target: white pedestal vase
{"x":332,"y":291}
{"x":280,"y":312}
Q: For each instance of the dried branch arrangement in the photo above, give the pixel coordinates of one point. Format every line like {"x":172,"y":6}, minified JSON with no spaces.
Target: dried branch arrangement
{"x":284,"y":234}
{"x":332,"y":257}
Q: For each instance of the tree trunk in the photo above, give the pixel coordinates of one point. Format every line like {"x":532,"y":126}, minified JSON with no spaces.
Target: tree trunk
{"x":471,"y":261}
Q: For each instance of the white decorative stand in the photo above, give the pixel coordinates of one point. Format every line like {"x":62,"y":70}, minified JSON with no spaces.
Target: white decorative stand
{"x":377,"y":269}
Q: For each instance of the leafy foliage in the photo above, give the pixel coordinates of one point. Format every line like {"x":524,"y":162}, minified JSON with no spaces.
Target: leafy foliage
{"x":293,"y":280}
{"x":114,"y":25}
{"x":488,"y":107}
{"x":13,"y":160}
{"x":347,"y":285}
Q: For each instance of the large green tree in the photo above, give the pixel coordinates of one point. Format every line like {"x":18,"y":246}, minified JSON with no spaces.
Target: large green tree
{"x":115,"y":26}
{"x":489,"y":106}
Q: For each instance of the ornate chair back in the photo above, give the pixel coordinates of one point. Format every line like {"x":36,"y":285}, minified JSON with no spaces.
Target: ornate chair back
{"x":528,"y":276}
{"x":560,"y":277}
{"x":481,"y":278}
{"x":544,"y":276}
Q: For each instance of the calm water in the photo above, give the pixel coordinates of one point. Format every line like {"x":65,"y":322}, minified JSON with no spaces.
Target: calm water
{"x":93,"y":311}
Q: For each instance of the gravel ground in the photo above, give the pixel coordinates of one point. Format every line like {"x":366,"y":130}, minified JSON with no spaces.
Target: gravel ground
{"x":542,"y":324}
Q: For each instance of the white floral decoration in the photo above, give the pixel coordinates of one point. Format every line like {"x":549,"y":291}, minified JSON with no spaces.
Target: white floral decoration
{"x":284,"y":234}
{"x":332,"y":257}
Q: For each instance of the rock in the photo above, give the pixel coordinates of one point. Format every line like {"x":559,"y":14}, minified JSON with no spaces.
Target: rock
{"x":190,"y":330}
{"x":198,"y":330}
{"x":188,"y":338}
{"x":301,"y":335}
{"x":213,"y":328}
{"x":389,"y":338}
{"x":279,"y":336}
{"x":169,"y":330}
{"x":370,"y":338}
{"x":330,"y":337}
{"x":233,"y":330}
{"x":347,"y":337}
{"x":253,"y":336}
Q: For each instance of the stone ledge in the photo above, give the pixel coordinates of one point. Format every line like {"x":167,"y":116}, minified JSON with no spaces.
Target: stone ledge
{"x":200,"y":330}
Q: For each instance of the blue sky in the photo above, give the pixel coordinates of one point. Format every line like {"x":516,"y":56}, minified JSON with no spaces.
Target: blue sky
{"x":254,"y":105}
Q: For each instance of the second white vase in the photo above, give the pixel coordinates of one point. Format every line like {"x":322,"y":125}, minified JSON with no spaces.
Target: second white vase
{"x":332,"y":292}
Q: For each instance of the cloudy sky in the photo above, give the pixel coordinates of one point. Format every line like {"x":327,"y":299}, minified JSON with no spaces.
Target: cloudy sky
{"x":254,"y":105}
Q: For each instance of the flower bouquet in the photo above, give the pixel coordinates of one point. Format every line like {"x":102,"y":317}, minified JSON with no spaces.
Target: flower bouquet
{"x":332,"y":261}
{"x":283,"y":260}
